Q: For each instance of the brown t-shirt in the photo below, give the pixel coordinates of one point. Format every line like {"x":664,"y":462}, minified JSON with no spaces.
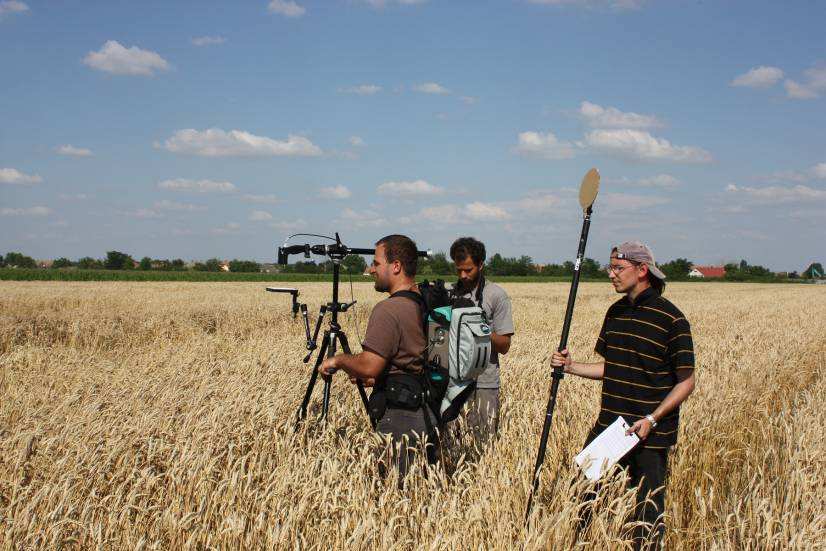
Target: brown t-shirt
{"x":395,"y":333}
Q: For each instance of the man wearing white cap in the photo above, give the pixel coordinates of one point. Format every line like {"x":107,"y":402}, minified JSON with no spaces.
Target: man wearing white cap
{"x":647,"y":372}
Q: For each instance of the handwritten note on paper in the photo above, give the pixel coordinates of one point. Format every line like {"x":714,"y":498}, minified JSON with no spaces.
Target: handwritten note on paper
{"x":606,"y":449}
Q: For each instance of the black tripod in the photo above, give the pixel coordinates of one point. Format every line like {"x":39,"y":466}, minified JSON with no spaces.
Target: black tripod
{"x":333,"y":335}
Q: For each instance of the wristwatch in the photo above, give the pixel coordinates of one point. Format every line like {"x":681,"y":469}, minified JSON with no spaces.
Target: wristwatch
{"x":651,"y":420}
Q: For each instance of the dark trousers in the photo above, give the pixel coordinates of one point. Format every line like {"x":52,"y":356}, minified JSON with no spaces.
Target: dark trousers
{"x":406,"y":429}
{"x":647,"y":470}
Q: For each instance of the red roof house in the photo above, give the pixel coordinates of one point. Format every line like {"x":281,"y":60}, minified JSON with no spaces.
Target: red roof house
{"x":707,"y":271}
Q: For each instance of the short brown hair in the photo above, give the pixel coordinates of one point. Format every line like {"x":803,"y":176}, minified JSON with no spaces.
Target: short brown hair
{"x":468,"y":247}
{"x":401,"y":248}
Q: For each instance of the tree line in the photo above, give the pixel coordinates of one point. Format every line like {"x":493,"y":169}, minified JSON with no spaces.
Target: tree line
{"x":437,"y":265}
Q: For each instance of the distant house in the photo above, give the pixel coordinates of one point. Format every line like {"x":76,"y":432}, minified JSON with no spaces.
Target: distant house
{"x":224,"y":265}
{"x":707,"y":271}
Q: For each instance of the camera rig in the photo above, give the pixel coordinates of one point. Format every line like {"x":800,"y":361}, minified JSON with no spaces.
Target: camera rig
{"x":334,"y":334}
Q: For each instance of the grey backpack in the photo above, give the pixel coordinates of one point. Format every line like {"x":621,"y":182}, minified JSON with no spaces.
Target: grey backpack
{"x":469,"y":349}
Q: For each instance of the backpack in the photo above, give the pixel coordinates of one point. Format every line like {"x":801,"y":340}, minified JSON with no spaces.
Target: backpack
{"x":457,"y":351}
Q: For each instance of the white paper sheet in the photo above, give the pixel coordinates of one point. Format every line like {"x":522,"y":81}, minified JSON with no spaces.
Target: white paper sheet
{"x":606,"y":449}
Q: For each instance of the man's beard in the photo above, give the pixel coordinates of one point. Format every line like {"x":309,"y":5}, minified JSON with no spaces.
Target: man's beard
{"x":380,"y":286}
{"x":470,"y":285}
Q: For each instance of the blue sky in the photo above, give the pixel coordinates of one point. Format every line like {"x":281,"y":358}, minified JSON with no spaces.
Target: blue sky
{"x":202,"y":129}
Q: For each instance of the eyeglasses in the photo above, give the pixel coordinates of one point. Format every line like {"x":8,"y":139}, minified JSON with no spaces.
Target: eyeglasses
{"x":615,"y":269}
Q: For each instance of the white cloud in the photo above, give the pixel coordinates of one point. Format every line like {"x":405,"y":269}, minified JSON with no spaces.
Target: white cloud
{"x":543,"y":146}
{"x":335,"y":192}
{"x":198,"y":186}
{"x":642,"y":146}
{"x":448,"y":214}
{"x":262,"y":199}
{"x":431,"y":88}
{"x":460,"y":214}
{"x":287,"y":8}
{"x":485,"y":211}
{"x":629,"y":202}
{"x":615,"y":4}
{"x":778,"y":194}
{"x":379,"y":4}
{"x":817,"y":172}
{"x":183,"y":207}
{"x":813,"y":87}
{"x":72,"y":151}
{"x":11,"y":7}
{"x":363,"y":218}
{"x":598,"y":116}
{"x":356,"y":141}
{"x":215,"y":142}
{"x":114,"y":58}
{"x":663,"y":181}
{"x":470,"y":100}
{"x":260,"y":216}
{"x":208,"y":40}
{"x":31,"y":211}
{"x":75,"y":197}
{"x":15,"y":177}
{"x":785,"y":176}
{"x":415,"y":188}
{"x":361,"y":90}
{"x":288,"y":225}
{"x":759,"y":77}
{"x":141,"y":213}
{"x":230,"y":228}
{"x":541,"y":202}
{"x":796,"y":90}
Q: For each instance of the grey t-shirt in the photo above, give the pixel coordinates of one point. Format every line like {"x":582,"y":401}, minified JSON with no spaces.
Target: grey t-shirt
{"x":497,"y":306}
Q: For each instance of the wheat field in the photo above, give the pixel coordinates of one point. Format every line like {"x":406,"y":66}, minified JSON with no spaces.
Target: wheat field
{"x":160,"y":416}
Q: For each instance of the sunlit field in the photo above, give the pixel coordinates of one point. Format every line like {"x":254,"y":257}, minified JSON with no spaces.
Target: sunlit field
{"x":160,"y":416}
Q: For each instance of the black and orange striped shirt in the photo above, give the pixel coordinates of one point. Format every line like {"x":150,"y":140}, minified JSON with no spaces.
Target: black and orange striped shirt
{"x":647,"y":348}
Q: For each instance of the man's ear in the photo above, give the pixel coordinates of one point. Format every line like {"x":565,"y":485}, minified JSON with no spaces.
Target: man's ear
{"x":644,"y":271}
{"x":397,"y":267}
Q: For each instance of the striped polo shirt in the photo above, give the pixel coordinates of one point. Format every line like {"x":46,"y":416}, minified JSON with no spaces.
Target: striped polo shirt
{"x":647,"y":348}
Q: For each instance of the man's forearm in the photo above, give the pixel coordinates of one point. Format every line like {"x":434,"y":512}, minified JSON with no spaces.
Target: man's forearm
{"x":355,"y":366}
{"x":589,"y":371}
{"x":673,"y":399}
{"x":501,"y":343}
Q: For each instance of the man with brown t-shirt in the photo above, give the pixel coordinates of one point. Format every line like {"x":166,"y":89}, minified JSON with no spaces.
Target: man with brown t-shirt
{"x":392,"y":357}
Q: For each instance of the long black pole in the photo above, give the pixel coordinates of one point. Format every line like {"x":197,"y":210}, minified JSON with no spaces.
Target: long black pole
{"x":557,"y":372}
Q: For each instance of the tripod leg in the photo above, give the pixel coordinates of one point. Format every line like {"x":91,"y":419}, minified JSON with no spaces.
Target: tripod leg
{"x":345,"y":347}
{"x":302,"y":410}
{"x":332,"y":337}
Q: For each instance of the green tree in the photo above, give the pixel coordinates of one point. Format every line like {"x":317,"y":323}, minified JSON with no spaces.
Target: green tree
{"x":89,"y":263}
{"x":178,"y":265}
{"x":354,"y":264}
{"x":244,"y":266}
{"x":440,"y":265}
{"x":676,"y":269}
{"x":62,"y":262}
{"x":19,"y":260}
{"x":497,"y":265}
{"x":145,"y":263}
{"x":308,"y":267}
{"x":590,"y":268}
{"x":116,"y":260}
